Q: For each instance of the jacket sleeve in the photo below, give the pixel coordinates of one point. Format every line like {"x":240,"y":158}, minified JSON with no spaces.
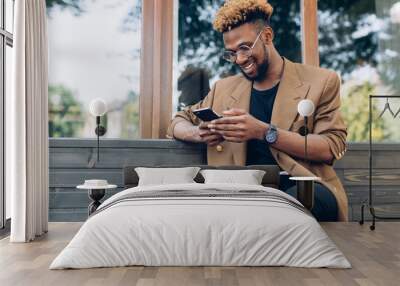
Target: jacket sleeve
{"x":188,"y":115}
{"x":328,"y":121}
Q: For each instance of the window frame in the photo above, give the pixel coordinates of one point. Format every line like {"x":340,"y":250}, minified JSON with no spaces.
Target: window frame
{"x":6,"y":39}
{"x":156,"y":63}
{"x":309,"y":32}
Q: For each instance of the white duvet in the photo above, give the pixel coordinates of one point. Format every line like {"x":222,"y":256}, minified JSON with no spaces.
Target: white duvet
{"x":183,"y":231}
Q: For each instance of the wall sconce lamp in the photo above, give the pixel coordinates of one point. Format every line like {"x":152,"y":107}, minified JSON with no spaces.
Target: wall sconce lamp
{"x":98,"y":108}
{"x":306,"y":109}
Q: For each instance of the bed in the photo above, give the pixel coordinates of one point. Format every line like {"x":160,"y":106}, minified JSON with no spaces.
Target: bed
{"x":197,"y":224}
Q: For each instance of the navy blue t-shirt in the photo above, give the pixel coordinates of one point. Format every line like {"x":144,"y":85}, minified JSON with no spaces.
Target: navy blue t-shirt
{"x":261,"y":104}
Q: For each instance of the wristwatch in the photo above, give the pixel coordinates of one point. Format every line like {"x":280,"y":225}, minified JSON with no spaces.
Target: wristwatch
{"x":271,"y":135}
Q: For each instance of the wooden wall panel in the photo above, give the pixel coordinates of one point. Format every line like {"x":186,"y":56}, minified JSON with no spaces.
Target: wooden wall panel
{"x":381,"y":177}
{"x":72,"y":161}
{"x":382,"y":194}
{"x":66,"y":198}
{"x":384,"y":158}
{"x":111,"y":159}
{"x":388,"y":209}
{"x":68,"y":215}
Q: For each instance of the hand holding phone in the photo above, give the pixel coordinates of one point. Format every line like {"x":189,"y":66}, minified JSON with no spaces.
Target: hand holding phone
{"x":206,"y":135}
{"x":206,"y":114}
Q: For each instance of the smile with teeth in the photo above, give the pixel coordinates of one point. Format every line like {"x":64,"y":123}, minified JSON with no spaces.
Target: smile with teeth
{"x":249,"y":66}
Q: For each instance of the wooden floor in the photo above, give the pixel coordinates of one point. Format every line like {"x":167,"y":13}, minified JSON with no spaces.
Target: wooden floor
{"x":375,"y":256}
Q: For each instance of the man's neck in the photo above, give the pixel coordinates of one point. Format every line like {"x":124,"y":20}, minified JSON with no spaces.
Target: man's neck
{"x":274,"y":73}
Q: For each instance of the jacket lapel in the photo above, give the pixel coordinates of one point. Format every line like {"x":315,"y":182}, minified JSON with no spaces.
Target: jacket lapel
{"x":240,"y":97}
{"x":291,"y":91}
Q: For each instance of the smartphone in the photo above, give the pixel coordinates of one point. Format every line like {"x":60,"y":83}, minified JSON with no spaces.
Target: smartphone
{"x":206,"y":114}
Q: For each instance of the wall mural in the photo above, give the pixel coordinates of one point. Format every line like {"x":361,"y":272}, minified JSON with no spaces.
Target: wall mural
{"x":357,"y":38}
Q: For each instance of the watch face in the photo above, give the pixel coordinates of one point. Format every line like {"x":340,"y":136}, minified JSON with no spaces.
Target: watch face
{"x":271,"y":137}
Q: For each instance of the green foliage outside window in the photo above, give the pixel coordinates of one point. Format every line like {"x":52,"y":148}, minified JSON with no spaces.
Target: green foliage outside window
{"x":356,"y":114}
{"x":74,"y":5}
{"x":65,"y":112}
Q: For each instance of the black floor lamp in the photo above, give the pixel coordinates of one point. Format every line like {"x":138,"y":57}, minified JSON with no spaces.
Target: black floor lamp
{"x":370,"y":202}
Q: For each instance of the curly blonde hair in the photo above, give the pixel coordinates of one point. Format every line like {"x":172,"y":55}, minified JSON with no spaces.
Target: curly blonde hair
{"x":237,"y":12}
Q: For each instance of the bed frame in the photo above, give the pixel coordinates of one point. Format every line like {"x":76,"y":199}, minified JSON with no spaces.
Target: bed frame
{"x":270,"y":179}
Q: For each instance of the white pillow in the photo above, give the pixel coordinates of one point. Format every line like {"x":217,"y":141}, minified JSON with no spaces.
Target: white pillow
{"x":248,"y":177}
{"x":166,"y":176}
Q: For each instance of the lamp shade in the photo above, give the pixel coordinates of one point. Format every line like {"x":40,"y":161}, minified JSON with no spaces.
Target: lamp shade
{"x":305,"y":107}
{"x":98,"y":107}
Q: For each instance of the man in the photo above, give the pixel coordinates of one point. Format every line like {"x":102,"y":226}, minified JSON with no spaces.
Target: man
{"x":260,"y":123}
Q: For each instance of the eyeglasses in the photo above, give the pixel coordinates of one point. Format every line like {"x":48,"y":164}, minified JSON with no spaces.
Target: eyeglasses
{"x":243,"y":51}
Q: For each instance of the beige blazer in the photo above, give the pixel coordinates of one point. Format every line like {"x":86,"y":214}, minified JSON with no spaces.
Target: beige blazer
{"x":298,"y":82}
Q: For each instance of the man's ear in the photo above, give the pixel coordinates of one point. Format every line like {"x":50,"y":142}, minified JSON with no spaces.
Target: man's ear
{"x":267,"y":35}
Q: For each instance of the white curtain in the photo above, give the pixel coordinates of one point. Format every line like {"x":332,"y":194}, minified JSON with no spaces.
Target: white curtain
{"x":27,"y":148}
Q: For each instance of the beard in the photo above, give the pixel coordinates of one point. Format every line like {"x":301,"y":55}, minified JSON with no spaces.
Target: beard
{"x":261,"y":69}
